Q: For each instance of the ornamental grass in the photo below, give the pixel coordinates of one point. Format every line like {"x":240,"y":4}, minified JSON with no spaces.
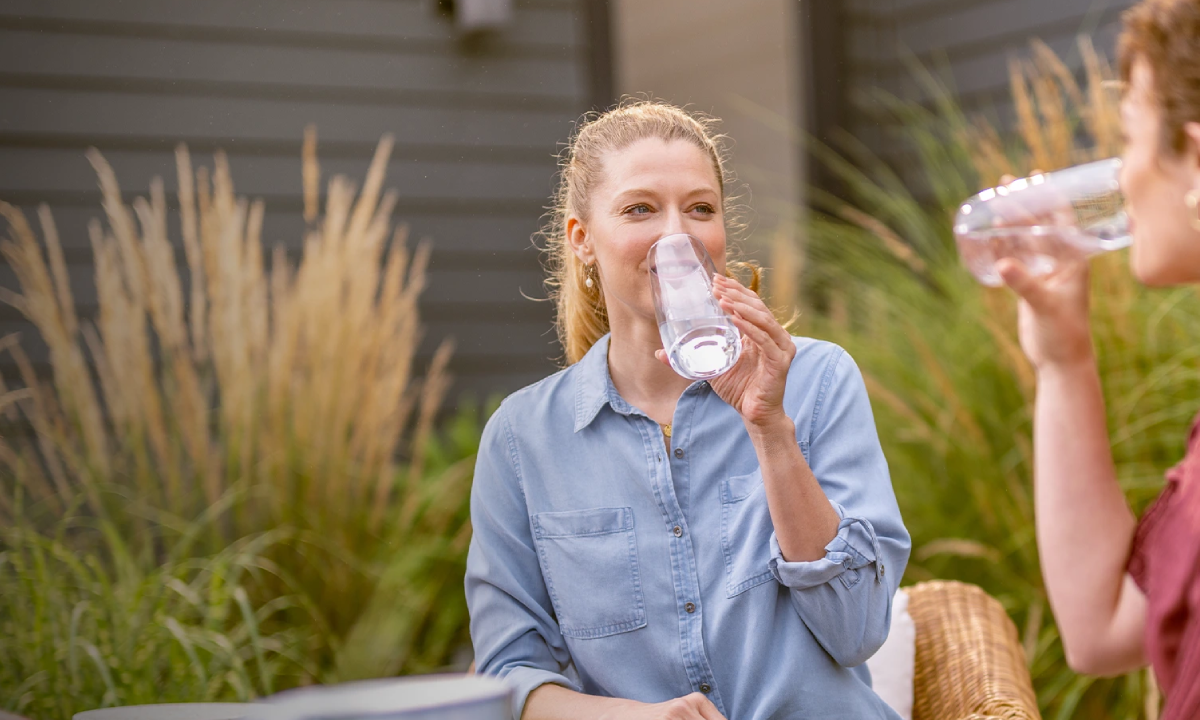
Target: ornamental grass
{"x":227,"y":481}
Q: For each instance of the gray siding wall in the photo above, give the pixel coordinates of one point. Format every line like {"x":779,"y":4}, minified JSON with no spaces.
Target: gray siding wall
{"x":476,"y":124}
{"x":973,"y":39}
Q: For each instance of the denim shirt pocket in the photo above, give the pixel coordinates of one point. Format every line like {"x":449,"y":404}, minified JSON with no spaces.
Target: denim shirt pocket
{"x":590,"y":564}
{"x":746,"y":531}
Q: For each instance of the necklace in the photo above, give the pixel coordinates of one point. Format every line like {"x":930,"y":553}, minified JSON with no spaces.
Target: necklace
{"x":666,"y":429}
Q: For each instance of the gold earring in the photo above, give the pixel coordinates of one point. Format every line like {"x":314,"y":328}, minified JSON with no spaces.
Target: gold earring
{"x":1192,"y":199}
{"x":588,"y":281}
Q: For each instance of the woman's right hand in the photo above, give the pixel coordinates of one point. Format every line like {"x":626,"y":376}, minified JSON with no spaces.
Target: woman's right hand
{"x":1052,"y":317}
{"x":1053,"y":312}
{"x":689,"y":707}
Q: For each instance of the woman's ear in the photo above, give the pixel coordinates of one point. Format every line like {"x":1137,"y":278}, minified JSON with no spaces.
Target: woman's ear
{"x":1192,"y":150}
{"x":577,"y":238}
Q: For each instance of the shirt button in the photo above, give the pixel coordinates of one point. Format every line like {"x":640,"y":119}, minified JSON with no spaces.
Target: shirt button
{"x":690,"y":607}
{"x":679,"y":453}
{"x":705,"y":688}
{"x":678,"y":531}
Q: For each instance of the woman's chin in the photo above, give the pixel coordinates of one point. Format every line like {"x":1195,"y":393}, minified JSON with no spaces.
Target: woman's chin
{"x":1157,"y":272}
{"x":1145,"y":273}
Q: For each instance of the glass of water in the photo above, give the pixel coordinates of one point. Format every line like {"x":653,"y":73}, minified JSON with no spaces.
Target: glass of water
{"x":700,"y":338}
{"x":1045,"y":220}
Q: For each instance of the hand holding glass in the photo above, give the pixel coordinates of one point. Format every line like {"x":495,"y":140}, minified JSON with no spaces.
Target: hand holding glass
{"x":700,"y":339}
{"x":1045,"y":220}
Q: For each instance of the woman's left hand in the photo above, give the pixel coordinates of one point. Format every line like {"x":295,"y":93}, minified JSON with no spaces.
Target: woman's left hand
{"x":754,"y":386}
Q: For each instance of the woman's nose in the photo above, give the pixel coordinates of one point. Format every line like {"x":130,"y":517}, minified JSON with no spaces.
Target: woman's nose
{"x":675,"y":223}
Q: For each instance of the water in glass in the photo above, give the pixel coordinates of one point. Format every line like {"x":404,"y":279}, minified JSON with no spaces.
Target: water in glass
{"x":700,"y":339}
{"x":1044,"y":220}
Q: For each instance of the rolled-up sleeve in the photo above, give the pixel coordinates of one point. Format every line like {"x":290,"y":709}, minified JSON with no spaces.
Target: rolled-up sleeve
{"x":845,"y":597}
{"x":513,"y":629}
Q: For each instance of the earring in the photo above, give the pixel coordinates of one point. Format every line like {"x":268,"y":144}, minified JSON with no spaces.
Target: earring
{"x":589,"y":282}
{"x":1192,"y":199}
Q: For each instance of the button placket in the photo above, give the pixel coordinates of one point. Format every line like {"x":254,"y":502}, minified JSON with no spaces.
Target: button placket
{"x":684,"y":574}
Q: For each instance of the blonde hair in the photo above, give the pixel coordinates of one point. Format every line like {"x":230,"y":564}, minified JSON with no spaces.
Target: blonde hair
{"x":581,"y":316}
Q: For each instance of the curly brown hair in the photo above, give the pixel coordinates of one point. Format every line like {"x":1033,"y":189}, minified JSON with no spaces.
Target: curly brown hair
{"x":1166,"y":34}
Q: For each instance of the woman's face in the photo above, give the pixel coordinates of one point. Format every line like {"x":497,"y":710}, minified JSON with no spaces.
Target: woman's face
{"x":649,"y":189}
{"x":1166,"y":245}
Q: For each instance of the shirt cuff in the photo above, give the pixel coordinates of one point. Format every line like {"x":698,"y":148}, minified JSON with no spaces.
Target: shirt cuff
{"x":855,"y":547}
{"x":524,"y":680}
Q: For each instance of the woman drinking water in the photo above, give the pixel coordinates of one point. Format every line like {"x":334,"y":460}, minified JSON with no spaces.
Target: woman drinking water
{"x":649,"y":546}
{"x":1124,"y":593}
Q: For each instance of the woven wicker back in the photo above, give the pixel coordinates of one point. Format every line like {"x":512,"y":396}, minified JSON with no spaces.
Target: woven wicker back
{"x":969,"y":663}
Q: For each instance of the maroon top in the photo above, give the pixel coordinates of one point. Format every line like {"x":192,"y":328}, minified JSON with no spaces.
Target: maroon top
{"x":1165,"y":563}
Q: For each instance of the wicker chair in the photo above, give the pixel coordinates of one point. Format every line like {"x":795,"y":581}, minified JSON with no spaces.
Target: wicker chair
{"x":969,"y":663}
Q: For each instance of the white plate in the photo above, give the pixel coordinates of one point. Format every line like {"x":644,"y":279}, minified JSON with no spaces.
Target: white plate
{"x":169,"y":711}
{"x":448,"y":697}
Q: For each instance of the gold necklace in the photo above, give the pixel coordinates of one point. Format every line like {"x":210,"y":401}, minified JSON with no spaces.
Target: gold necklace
{"x":666,"y":430}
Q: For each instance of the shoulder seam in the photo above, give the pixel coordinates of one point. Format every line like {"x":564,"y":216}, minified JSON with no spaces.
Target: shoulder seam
{"x":512,"y":453}
{"x":831,"y":366}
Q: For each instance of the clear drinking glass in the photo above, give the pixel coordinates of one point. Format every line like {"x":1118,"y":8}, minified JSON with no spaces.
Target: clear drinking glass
{"x":1044,"y":220}
{"x":700,"y":339}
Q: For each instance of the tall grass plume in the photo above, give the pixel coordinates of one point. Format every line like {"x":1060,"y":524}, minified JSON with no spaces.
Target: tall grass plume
{"x":231,"y":412}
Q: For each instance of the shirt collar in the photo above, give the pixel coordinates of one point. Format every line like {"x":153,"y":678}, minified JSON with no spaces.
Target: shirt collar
{"x":593,"y":385}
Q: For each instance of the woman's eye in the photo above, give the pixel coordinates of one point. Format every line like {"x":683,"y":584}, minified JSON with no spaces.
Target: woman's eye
{"x":707,"y":209}
{"x":639,"y":209}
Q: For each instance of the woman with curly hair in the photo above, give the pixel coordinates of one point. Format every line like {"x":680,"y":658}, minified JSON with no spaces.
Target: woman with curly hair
{"x":1124,"y":592}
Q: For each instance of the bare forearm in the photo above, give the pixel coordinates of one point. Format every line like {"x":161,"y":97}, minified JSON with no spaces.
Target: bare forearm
{"x":1084,"y":525}
{"x":553,"y":702}
{"x":804,"y":519}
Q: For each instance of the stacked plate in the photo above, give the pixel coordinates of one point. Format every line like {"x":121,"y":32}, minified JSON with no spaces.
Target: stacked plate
{"x":444,"y":697}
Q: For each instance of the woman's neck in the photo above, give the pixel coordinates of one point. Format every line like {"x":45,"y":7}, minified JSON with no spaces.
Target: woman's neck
{"x":641,"y":378}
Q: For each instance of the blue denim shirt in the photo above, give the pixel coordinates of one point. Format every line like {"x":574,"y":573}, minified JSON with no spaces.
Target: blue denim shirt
{"x":607,"y":564}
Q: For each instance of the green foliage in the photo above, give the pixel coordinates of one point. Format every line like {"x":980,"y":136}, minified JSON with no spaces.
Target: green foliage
{"x":953,"y":393}
{"x":223,"y":498}
{"x":102,"y":611}
{"x":136,"y":606}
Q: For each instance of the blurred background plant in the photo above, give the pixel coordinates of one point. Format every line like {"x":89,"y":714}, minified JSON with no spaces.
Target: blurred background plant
{"x":952,"y":391}
{"x":247,"y":490}
{"x":233,"y":482}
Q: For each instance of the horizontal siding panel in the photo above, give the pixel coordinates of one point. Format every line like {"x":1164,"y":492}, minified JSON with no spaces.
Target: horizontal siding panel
{"x":985,"y":37}
{"x":58,"y":171}
{"x":90,"y":56}
{"x":449,"y":286}
{"x":230,"y":120}
{"x":458,"y":236}
{"x":981,"y":81}
{"x":473,"y":338}
{"x":274,"y":147}
{"x":899,"y":12}
{"x":372,"y":23}
{"x":523,"y":356}
{"x":296,"y":93}
{"x":982,"y":23}
{"x":432,"y":314}
{"x":477,"y":125}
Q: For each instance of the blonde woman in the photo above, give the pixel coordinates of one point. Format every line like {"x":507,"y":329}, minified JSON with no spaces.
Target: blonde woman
{"x":648,"y":547}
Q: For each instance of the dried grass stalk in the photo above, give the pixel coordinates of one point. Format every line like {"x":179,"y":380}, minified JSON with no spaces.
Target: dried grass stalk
{"x":1051,"y":110}
{"x":284,"y":377}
